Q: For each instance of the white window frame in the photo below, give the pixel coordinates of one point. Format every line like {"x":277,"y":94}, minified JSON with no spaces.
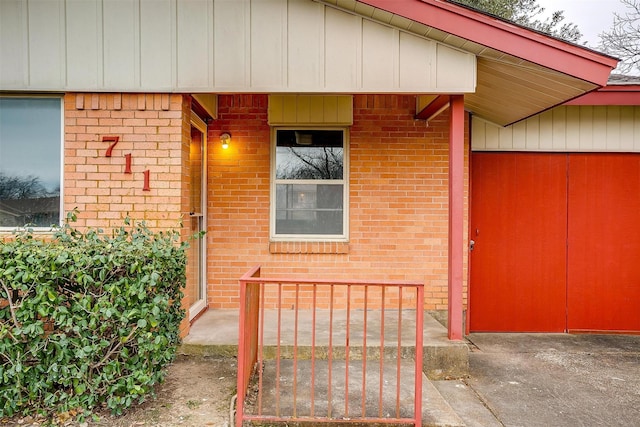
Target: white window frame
{"x":60,"y":97}
{"x":344,"y":237}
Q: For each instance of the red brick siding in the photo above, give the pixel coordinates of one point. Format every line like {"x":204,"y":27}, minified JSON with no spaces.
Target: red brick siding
{"x":398,"y":200}
{"x":398,"y":178}
{"x":154,"y":128}
{"x":150,"y":128}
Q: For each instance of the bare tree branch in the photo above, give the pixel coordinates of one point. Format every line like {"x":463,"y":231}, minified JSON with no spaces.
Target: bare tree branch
{"x":623,"y":40}
{"x":527,"y":13}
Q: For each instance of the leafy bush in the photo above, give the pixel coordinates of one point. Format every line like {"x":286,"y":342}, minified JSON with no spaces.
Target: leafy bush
{"x":87,"y":321}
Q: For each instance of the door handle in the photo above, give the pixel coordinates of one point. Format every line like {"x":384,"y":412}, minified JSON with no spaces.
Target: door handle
{"x":472,"y":244}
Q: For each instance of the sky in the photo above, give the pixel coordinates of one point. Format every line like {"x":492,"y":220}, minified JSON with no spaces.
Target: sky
{"x":30,"y":135}
{"x":592,"y":16}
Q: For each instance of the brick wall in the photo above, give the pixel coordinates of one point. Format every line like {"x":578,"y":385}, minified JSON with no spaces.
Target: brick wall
{"x":398,"y":201}
{"x":154,"y":129}
{"x":398,"y":178}
{"x":150,"y":128}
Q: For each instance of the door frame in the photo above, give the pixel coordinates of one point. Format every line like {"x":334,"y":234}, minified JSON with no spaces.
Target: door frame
{"x":201,"y":304}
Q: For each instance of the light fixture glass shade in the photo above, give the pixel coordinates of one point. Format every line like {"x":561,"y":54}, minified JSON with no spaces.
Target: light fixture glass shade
{"x":225,"y":138}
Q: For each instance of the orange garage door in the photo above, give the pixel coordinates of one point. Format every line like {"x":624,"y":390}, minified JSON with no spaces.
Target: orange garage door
{"x":557,"y":242}
{"x":604,"y":242}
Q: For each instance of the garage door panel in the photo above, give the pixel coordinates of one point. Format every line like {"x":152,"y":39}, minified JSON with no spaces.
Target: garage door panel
{"x":518,"y":222}
{"x":604,"y":242}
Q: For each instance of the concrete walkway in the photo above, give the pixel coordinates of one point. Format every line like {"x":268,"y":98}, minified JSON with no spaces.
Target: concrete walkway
{"x":512,"y":379}
{"x":553,"y":379}
{"x":216,"y":334}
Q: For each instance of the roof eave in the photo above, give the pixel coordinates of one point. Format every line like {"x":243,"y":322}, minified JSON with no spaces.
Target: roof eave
{"x":626,"y":94}
{"x":503,"y":36}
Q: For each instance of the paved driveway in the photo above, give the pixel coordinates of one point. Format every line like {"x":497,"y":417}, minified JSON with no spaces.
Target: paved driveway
{"x":558,"y":380}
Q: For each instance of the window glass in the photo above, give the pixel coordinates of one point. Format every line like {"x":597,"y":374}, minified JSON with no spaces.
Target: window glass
{"x":309,"y":186}
{"x":30,"y":150}
{"x":309,"y":209}
{"x":309,"y":154}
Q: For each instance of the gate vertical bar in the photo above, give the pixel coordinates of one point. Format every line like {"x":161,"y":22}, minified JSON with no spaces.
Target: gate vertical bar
{"x":382,"y":314}
{"x":346,"y":355}
{"x":330,"y":353}
{"x":399,"y":355}
{"x":295,"y":354}
{"x":242,"y":390}
{"x":419,"y":354}
{"x":261,"y":352}
{"x":278,"y":354}
{"x":313,"y":353}
{"x":364,"y":355}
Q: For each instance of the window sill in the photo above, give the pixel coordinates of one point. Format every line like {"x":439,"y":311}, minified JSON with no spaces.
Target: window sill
{"x":36,"y":231}
{"x":309,"y":247}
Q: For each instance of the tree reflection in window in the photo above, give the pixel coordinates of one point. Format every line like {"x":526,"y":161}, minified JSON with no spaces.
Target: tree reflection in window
{"x":316,"y":154}
{"x":30,"y":167}
{"x":309,"y":197}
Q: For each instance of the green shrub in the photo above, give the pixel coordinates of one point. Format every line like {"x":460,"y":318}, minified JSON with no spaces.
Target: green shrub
{"x":87,"y":321}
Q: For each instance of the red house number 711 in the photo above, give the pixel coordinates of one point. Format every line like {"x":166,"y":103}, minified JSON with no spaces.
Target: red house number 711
{"x":127,"y":157}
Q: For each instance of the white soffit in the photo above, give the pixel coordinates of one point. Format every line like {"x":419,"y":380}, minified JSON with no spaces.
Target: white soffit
{"x":508,"y":89}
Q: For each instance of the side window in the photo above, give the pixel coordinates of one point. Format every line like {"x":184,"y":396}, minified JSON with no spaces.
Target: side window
{"x":30,"y":161}
{"x":309,"y":192}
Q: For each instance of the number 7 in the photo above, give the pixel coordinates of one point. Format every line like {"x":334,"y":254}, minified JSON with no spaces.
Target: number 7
{"x":114,"y":140}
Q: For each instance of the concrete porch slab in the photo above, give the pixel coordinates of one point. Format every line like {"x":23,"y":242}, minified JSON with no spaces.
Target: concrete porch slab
{"x":215,"y":333}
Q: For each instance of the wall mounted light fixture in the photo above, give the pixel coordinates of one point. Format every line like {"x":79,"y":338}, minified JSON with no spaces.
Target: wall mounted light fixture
{"x":225,"y":139}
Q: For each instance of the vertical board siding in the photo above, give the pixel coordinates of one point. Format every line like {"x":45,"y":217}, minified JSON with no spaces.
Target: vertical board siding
{"x":565,"y":128}
{"x":268,"y":43}
{"x":218,"y":46}
{"x":14,"y":44}
{"x":193,"y":47}
{"x":379,"y":55}
{"x":626,"y":132}
{"x":305,"y":44}
{"x":613,"y":128}
{"x":310,"y":110}
{"x":231,"y":58}
{"x":415,"y":66}
{"x":585,"y":130}
{"x":450,"y":66}
{"x":157,"y":43}
{"x":559,"y":126}
{"x":636,"y":129}
{"x":343,"y":44}
{"x":599,"y":129}
{"x":46,"y":48}
{"x":121,"y":45}
{"x":84,"y":44}
{"x":573,"y":122}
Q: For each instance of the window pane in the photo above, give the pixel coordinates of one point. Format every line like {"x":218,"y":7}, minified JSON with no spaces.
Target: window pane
{"x":30,"y":161}
{"x":309,"y":154}
{"x":309,"y":209}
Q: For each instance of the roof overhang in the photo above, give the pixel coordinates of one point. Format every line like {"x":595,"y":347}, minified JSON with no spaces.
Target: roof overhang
{"x":610,"y":95}
{"x":521,"y":72}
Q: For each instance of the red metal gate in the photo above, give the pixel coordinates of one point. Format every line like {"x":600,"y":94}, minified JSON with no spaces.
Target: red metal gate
{"x":280,"y":381}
